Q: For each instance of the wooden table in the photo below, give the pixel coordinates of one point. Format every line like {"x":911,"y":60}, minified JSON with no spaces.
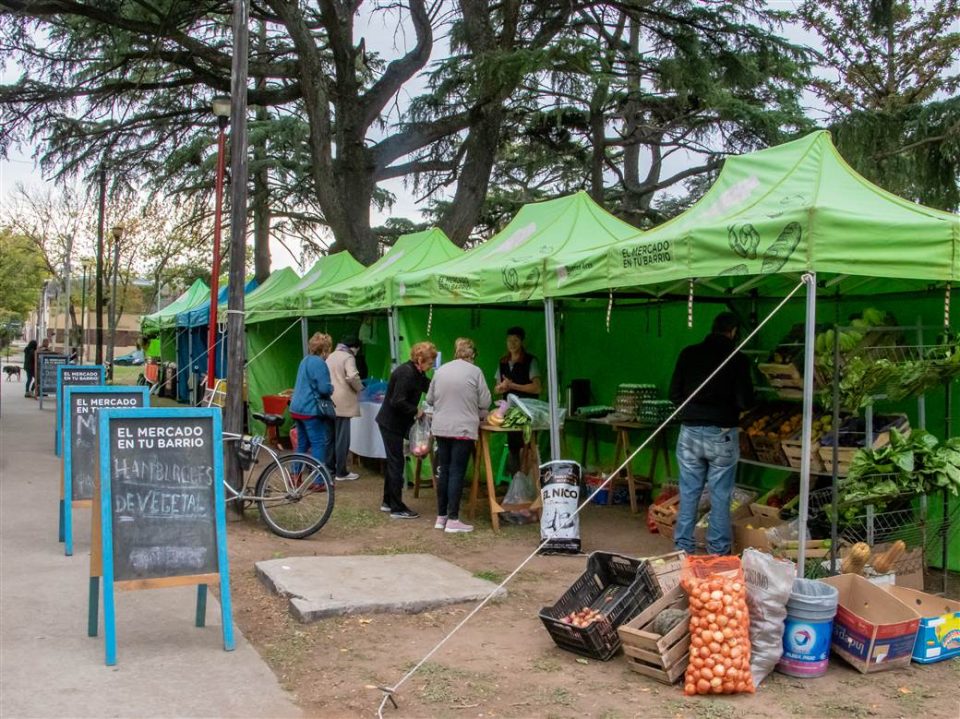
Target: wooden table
{"x":528,"y":463}
{"x":622,"y":450}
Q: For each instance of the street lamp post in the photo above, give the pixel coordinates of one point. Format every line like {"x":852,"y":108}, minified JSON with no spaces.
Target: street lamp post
{"x":221,"y":108}
{"x":85,"y":263}
{"x":117,"y":232}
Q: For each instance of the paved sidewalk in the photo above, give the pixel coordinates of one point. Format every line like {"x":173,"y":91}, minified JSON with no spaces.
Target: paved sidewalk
{"x":49,"y":667}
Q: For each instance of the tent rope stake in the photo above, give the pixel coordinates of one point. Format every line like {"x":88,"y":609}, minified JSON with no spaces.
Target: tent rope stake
{"x":389,"y":693}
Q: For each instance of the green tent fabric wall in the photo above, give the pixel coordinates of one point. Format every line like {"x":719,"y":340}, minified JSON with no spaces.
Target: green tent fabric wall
{"x":166,"y":318}
{"x":784,"y":210}
{"x":509,"y":266}
{"x":370,"y":289}
{"x":274,"y":286}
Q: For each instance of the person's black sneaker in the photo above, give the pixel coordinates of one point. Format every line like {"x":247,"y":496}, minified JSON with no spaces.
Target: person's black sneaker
{"x":404,"y":514}
{"x":385,"y":507}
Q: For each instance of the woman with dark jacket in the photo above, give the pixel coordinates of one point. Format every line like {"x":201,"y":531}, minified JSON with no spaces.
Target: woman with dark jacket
{"x":29,"y":356}
{"x":313,"y":384}
{"x":397,"y":415}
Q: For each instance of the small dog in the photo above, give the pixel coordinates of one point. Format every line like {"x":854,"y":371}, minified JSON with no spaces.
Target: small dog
{"x":11,"y":370}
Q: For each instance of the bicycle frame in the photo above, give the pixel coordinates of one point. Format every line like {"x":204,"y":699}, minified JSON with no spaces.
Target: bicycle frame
{"x":254,"y":444}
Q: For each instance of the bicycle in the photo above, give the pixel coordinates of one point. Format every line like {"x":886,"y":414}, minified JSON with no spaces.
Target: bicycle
{"x":294,"y":492}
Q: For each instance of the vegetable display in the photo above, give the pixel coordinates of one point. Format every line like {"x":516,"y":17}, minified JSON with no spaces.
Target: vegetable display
{"x":719,"y":629}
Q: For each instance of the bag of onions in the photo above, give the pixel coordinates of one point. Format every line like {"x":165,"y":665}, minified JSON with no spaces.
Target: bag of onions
{"x":719,"y":626}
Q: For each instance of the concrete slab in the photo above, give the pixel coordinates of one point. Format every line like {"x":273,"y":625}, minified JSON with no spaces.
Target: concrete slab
{"x":320,"y":587}
{"x":49,"y":667}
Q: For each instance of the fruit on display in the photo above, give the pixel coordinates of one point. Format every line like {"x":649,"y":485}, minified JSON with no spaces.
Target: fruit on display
{"x":776,"y":425}
{"x":496,"y":416}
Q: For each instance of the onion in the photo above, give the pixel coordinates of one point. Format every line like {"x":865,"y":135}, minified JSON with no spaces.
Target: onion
{"x":727,"y":633}
{"x":709,"y":662}
{"x":719,"y":670}
{"x":703,"y":686}
{"x":704,"y":652}
{"x":718,"y":637}
{"x":689,"y":689}
{"x":713,"y":648}
{"x":706,"y":673}
{"x":696,"y":641}
{"x":716,"y":595}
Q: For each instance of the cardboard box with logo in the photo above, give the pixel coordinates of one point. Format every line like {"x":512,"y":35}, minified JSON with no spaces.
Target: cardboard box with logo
{"x":939,"y":635}
{"x":873,"y":630}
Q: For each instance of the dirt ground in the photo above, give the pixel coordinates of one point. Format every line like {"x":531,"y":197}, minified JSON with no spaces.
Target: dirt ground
{"x":503,"y":663}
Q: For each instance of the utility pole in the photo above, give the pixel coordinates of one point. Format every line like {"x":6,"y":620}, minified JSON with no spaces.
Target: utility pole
{"x":100,"y":230}
{"x":233,"y":419}
{"x":67,"y":324}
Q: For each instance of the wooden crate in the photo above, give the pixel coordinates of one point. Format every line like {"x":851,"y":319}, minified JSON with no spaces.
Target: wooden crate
{"x":665,"y":515}
{"x":785,"y":378}
{"x":815,"y":549}
{"x":768,"y":450}
{"x":793,"y":451}
{"x":660,"y":657}
{"x":845,"y":454}
{"x":666,"y":568}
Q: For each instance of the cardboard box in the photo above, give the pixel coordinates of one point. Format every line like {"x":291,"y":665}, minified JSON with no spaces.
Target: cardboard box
{"x":907,"y":571}
{"x":751,"y":531}
{"x":938,"y":637}
{"x":873,"y":630}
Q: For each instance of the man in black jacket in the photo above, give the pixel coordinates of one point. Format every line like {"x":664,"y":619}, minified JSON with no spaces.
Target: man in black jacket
{"x":709,"y":446}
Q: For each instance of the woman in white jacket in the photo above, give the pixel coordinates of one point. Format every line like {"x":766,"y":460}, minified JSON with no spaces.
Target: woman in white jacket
{"x":342,"y":364}
{"x":460,"y":398}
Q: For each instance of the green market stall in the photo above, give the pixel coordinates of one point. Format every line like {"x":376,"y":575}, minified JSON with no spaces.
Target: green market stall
{"x":163,"y":323}
{"x":775,"y":218}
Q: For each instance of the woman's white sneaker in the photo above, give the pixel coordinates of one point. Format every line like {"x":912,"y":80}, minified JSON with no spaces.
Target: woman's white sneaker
{"x":440,"y":523}
{"x":455,"y":526}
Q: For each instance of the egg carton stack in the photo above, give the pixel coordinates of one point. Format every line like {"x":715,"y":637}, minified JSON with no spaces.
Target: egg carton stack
{"x":631,"y":398}
{"x":655,"y":411}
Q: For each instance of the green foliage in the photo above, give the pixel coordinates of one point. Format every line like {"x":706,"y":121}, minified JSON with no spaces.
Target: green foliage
{"x":22,"y":271}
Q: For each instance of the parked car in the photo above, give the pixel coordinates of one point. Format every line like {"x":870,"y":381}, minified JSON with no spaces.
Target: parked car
{"x":131,"y":359}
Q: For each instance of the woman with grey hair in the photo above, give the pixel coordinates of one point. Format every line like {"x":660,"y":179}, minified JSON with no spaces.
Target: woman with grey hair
{"x":460,"y":399}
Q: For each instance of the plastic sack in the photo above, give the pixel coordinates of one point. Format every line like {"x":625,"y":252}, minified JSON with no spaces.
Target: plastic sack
{"x":783,"y":533}
{"x":719,"y":626}
{"x":560,"y":494}
{"x":521,"y":490}
{"x":373,"y":391}
{"x":537,"y":410}
{"x":769,"y":583}
{"x":420,"y":437}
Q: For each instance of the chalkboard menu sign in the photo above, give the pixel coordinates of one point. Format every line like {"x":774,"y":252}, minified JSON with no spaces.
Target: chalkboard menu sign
{"x":73,"y":375}
{"x":47,"y":364}
{"x":162,"y":507}
{"x":81,"y":427}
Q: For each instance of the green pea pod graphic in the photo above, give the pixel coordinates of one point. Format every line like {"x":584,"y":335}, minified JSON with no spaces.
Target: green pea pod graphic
{"x":735,"y":270}
{"x":783,"y":247}
{"x":510,"y":279}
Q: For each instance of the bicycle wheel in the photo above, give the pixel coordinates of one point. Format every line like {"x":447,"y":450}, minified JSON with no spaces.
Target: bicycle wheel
{"x":295,"y":495}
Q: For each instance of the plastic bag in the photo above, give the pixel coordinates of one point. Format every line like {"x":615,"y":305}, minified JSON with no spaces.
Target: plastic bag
{"x":521,"y":490}
{"x":783,"y":533}
{"x":769,"y":583}
{"x":373,"y":391}
{"x":560,"y":493}
{"x":537,"y":410}
{"x":420,"y":437}
{"x":719,"y":626}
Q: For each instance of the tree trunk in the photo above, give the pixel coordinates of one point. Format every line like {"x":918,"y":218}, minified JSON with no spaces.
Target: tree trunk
{"x":631,"y":127}
{"x":261,"y":182}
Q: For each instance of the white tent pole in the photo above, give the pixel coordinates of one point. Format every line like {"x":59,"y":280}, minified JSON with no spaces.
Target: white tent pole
{"x":553,"y":391}
{"x":304,"y":336}
{"x":809,"y":337}
{"x":394,"y":337}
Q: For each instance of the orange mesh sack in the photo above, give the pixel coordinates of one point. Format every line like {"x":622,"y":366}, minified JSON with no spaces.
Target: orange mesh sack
{"x":719,"y":626}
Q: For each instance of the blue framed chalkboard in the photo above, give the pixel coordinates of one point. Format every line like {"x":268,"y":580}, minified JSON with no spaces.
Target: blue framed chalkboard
{"x":81,"y":405}
{"x":73,"y":374}
{"x":162,"y":508}
{"x":47,"y":364}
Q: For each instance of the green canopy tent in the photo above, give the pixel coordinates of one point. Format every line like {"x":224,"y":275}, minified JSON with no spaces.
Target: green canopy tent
{"x":279,"y":282}
{"x":773,"y":217}
{"x":274,"y":347}
{"x":163,"y":323}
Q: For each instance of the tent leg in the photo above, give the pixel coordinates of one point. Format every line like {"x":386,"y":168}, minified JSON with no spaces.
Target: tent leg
{"x":394,"y":331}
{"x":553,"y":392}
{"x":304,"y":336}
{"x":809,"y":336}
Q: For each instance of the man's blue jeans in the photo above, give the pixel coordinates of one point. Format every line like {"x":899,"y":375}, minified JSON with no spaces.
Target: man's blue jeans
{"x":706,"y":456}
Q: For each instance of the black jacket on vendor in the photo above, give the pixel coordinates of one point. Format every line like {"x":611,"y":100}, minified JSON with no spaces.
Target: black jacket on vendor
{"x":518,"y":373}
{"x":400,"y":403}
{"x":720,"y":403}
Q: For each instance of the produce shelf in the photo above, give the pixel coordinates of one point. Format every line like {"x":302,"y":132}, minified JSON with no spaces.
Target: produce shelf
{"x":783,"y":467}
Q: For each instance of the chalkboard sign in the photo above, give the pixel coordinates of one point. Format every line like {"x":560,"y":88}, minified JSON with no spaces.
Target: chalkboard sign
{"x":47,"y":364}
{"x":162,"y":505}
{"x":73,"y":375}
{"x":81,"y":425}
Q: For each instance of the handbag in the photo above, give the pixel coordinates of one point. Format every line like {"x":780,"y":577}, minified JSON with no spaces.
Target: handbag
{"x":326,"y":408}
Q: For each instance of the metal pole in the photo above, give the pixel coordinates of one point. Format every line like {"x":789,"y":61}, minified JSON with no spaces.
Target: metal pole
{"x":100,"y":230}
{"x":807,"y":430}
{"x":394,"y":332}
{"x":83,"y":316}
{"x":215,"y":271}
{"x":835,"y":455}
{"x":113,"y":307}
{"x":233,"y":416}
{"x":67,"y":325}
{"x":553,"y":391}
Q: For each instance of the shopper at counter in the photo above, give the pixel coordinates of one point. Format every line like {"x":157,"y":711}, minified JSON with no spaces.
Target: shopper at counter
{"x":460,"y":398}
{"x":397,"y":415}
{"x":708,"y":447}
{"x":518,"y":373}
{"x":313,"y":386}
{"x":346,"y":387}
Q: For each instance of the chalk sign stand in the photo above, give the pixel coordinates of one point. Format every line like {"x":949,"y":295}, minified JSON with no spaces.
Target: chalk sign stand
{"x":80,"y":475}
{"x":47,"y":363}
{"x":69,"y":375}
{"x":162,"y":518}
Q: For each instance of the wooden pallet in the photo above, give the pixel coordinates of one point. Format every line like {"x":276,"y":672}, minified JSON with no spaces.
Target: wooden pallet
{"x":660,"y":657}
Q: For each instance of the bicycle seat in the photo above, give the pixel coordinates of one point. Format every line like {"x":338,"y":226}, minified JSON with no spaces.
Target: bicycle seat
{"x":271,"y":420}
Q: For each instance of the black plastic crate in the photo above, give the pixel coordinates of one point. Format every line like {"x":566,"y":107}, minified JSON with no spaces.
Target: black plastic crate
{"x":618,"y":587}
